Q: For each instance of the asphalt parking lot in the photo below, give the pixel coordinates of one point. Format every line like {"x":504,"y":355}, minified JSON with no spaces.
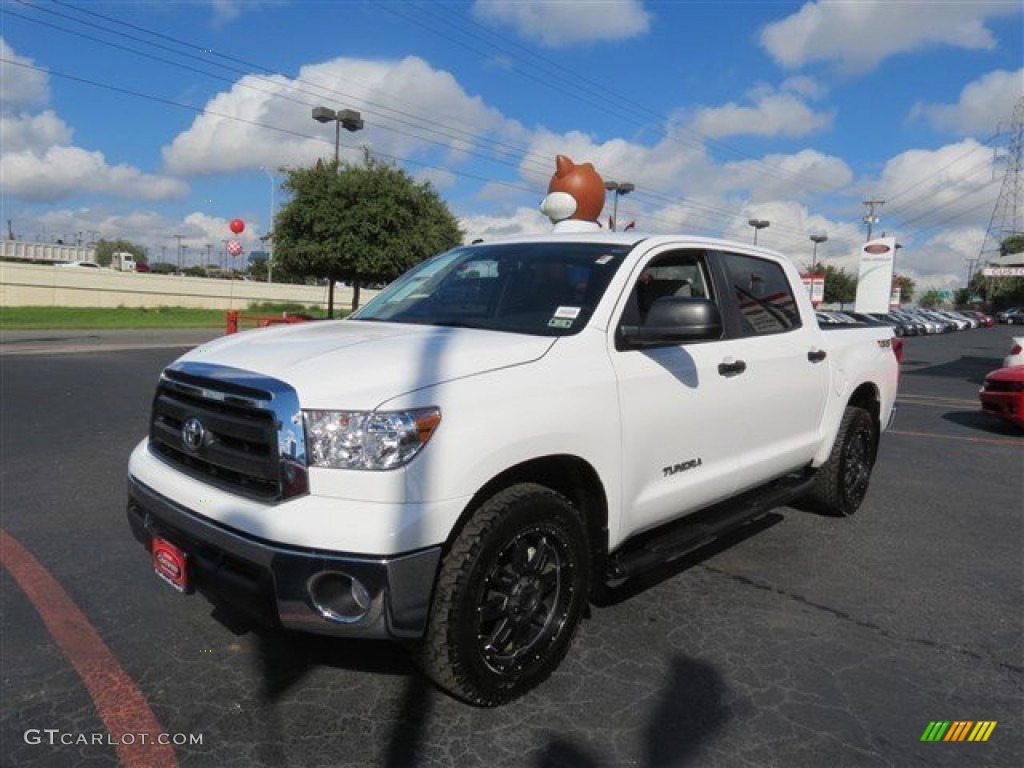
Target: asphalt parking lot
{"x":806,"y":641}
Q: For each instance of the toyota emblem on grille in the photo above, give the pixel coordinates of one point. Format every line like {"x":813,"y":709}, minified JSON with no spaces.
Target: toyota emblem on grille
{"x":192,"y":434}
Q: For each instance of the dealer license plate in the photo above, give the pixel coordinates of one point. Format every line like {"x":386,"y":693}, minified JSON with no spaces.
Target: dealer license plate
{"x":171,"y":565}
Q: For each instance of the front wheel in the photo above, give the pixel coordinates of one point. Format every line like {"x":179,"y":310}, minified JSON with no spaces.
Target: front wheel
{"x":842,"y":482}
{"x":510,"y":594}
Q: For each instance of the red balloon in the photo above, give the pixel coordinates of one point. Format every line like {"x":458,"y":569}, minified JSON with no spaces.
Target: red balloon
{"x":237,"y":225}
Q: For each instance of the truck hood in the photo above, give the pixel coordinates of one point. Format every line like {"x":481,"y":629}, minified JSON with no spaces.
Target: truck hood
{"x":358,"y":365}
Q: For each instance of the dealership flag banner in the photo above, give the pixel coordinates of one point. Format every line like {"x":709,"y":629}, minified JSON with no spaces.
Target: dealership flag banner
{"x":874,"y":284}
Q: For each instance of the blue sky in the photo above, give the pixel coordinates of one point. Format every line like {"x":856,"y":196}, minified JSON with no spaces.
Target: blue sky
{"x":146,"y":120}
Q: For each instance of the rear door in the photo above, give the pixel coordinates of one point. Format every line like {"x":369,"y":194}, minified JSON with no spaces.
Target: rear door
{"x":781,"y":393}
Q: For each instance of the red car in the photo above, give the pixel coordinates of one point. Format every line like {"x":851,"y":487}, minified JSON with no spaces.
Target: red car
{"x":1003,"y":394}
{"x":987,"y":321}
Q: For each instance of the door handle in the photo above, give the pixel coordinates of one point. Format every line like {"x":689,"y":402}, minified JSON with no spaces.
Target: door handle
{"x":730,"y":367}
{"x":817,"y":355}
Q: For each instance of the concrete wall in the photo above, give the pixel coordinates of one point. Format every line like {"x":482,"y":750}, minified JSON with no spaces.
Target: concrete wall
{"x":44,"y":285}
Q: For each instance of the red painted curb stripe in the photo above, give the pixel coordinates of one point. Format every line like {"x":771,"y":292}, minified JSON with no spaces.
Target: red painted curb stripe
{"x":119,"y":702}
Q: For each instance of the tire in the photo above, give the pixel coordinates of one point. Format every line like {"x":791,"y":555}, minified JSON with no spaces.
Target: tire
{"x":842,"y":482}
{"x":509,"y":597}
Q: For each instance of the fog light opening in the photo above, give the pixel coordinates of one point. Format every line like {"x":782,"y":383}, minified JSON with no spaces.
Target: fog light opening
{"x":339,"y":597}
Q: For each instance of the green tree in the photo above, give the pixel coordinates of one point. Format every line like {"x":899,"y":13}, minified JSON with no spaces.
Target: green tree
{"x":1012,"y":244}
{"x":362,"y":223}
{"x":840,"y":286}
{"x":1006,"y":291}
{"x":930,"y":299}
{"x":258,"y":270}
{"x":907,"y":287}
{"x":105,"y":250}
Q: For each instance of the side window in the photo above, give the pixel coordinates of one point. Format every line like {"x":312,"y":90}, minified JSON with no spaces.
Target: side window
{"x":678,"y":273}
{"x":763,"y":295}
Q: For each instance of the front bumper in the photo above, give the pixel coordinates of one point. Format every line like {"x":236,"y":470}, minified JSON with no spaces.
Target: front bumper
{"x":328,"y":593}
{"x":1007,"y":405}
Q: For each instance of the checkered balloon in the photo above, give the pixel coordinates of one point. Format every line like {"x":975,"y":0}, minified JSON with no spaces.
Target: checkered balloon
{"x":234,"y":247}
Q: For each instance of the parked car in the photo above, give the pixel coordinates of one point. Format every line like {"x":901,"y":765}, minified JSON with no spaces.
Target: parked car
{"x":930,"y":324}
{"x":1016,"y":356}
{"x":899,"y":327}
{"x":1011,"y":316}
{"x":986,"y":321}
{"x":961,"y":322}
{"x":1003,"y":394}
{"x":915,"y":326}
{"x":78,"y":265}
{"x":943,"y":324}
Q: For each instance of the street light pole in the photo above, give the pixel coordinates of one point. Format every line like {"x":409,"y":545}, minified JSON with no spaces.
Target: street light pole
{"x":617,"y":188}
{"x":270,"y":226}
{"x":348,"y":119}
{"x":821,"y":238}
{"x":758,"y":224}
{"x":179,"y":237}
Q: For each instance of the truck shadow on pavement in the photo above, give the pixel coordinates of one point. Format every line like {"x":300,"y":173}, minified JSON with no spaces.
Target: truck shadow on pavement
{"x":983,"y":422}
{"x":970,"y":369}
{"x":687,"y":713}
{"x":683,"y":716}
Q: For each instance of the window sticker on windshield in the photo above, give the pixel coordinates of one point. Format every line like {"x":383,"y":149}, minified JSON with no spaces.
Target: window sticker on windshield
{"x":559,"y":322}
{"x":570,"y":313}
{"x":604,"y":259}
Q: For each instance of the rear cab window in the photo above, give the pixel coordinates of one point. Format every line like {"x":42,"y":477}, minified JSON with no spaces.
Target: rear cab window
{"x":762,"y":293}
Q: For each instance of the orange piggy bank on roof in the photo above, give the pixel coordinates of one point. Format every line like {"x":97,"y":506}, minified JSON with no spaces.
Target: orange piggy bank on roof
{"x":575,"y":196}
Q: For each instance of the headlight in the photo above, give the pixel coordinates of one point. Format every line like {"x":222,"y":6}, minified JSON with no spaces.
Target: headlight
{"x":367,"y":439}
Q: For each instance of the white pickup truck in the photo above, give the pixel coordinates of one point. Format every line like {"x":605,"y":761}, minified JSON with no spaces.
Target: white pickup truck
{"x":502,"y":432}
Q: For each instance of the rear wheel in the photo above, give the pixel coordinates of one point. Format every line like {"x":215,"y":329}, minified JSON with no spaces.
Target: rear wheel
{"x":509,"y":596}
{"x":842,"y":482}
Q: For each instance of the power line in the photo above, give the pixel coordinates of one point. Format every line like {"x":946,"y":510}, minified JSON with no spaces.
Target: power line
{"x":386,"y":116}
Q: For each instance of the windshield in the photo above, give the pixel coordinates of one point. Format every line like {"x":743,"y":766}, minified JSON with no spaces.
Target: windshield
{"x":543,"y":289}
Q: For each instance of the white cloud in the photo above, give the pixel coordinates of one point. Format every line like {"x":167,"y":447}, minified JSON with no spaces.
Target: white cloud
{"x":523,"y":221}
{"x":925,"y":188}
{"x":22,"y":87}
{"x":61,"y":172}
{"x":225,"y":11}
{"x":38,"y":162}
{"x":555,"y":23}
{"x":941,"y":261}
{"x":859,"y":35}
{"x":805,"y":174}
{"x":33,"y":133}
{"x":773,"y":113}
{"x":983,"y":104}
{"x":390,"y":95}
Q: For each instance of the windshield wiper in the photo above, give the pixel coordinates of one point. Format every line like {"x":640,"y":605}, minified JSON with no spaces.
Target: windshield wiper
{"x":453,"y":323}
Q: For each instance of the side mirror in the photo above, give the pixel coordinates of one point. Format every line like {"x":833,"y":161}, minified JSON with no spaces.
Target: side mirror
{"x":676,"y":320}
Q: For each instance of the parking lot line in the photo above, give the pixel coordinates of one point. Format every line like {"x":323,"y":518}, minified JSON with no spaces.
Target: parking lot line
{"x":1009,"y":442}
{"x":935,"y":401}
{"x":119,"y":702}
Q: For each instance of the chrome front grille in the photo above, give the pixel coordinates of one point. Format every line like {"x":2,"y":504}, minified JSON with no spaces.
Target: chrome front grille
{"x":232,"y":429}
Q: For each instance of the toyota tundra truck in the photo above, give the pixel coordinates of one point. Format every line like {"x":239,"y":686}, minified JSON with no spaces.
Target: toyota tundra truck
{"x":463,"y":464}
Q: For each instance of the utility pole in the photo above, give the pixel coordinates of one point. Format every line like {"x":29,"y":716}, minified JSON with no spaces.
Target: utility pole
{"x":179,"y":250}
{"x":869,"y":218}
{"x":970,"y":271}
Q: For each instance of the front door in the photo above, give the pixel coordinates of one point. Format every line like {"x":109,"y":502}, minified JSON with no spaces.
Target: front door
{"x":681,"y":433}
